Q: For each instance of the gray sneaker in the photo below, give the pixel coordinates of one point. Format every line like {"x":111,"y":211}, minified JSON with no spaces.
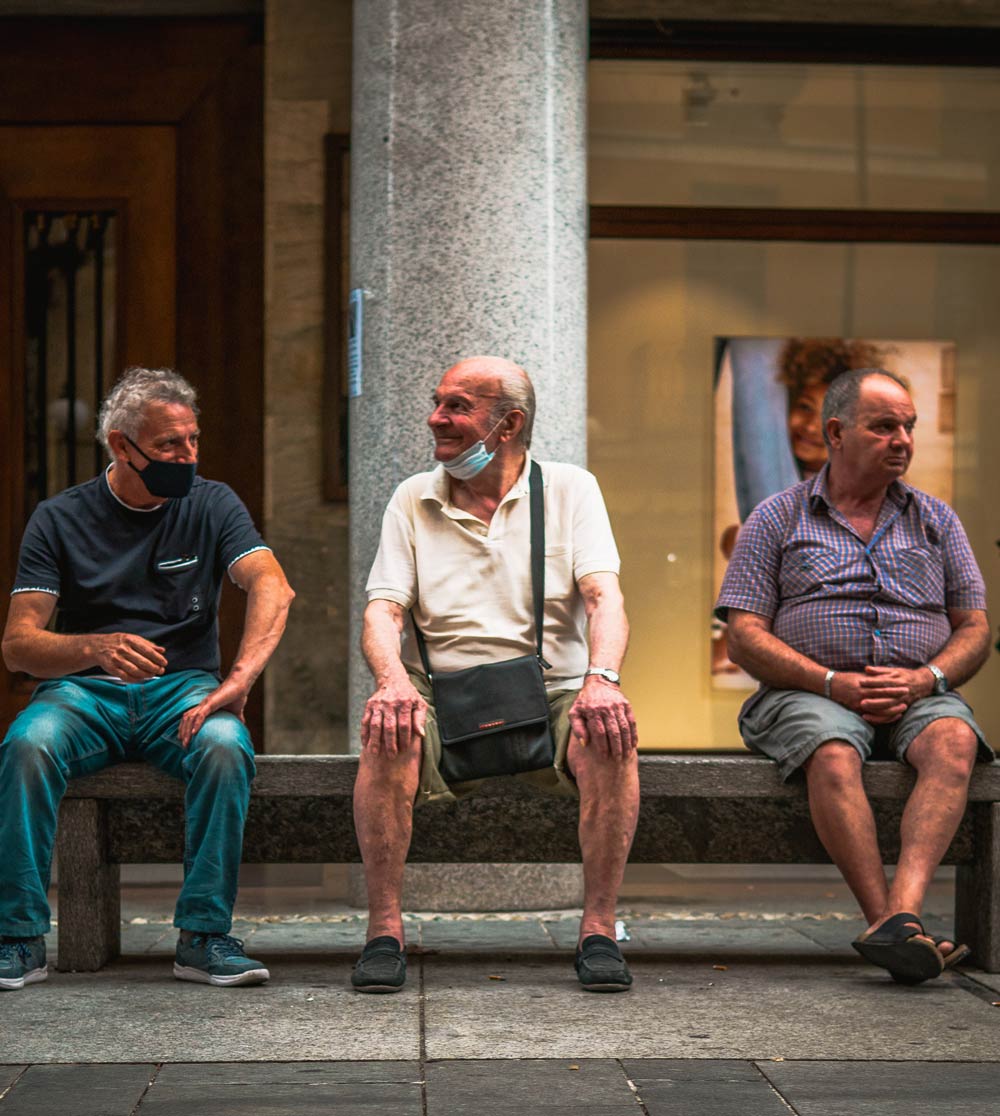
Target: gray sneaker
{"x":22,"y":961}
{"x":215,"y":959}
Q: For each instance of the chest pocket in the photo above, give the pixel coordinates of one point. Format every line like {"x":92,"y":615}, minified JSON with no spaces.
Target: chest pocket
{"x":919,"y":575}
{"x":178,"y":587}
{"x":806,"y":569}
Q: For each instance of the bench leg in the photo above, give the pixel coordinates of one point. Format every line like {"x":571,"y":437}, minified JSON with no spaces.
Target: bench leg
{"x":977,"y":891}
{"x":89,"y":896}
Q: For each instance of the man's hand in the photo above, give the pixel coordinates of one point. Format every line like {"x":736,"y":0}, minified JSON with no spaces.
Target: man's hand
{"x":602,"y":715}
{"x":880,"y":695}
{"x":887,"y":692}
{"x":394,"y":714}
{"x":229,"y":697}
{"x":128,"y":657}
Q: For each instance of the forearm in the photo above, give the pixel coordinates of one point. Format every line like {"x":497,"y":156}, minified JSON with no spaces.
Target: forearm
{"x":771,"y":661}
{"x":380,"y":644}
{"x":607,"y":631}
{"x":268,"y":602}
{"x":44,"y":654}
{"x":966,"y":651}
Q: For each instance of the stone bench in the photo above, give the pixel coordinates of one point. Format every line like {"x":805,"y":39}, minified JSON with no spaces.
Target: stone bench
{"x":696,"y":808}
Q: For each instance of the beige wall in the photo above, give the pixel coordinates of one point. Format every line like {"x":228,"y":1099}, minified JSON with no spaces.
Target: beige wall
{"x":308,"y":93}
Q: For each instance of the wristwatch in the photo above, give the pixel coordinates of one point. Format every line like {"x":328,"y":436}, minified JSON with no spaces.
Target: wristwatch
{"x":940,"y":682}
{"x":606,"y":673}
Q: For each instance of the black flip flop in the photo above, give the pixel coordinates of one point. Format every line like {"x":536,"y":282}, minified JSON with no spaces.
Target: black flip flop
{"x":896,"y":947}
{"x":956,"y":956}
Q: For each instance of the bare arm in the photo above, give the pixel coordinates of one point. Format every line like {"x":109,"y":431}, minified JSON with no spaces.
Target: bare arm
{"x":753,"y":647}
{"x":601,"y":713}
{"x":269,"y":597}
{"x":29,"y":647}
{"x":395,"y":713}
{"x":880,"y":694}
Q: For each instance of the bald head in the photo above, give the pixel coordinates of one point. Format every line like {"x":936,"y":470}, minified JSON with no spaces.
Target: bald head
{"x":504,"y":382}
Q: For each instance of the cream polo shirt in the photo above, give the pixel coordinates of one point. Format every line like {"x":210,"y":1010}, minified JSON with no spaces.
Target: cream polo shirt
{"x":469,"y":584}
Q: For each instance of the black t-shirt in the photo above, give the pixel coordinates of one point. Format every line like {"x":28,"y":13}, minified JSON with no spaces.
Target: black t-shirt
{"x":157,"y":574}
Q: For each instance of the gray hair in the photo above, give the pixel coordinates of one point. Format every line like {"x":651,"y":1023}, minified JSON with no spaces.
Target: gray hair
{"x":124,"y":407}
{"x":841,"y":400}
{"x":516,"y":394}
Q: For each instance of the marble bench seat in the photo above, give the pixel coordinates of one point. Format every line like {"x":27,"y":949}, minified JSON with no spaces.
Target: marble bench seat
{"x":696,"y":808}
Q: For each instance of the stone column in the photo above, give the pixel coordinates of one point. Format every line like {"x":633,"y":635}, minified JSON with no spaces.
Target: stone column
{"x":468,"y":233}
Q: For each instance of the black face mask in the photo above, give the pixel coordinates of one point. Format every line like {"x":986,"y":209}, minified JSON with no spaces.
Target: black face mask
{"x":170,"y":479}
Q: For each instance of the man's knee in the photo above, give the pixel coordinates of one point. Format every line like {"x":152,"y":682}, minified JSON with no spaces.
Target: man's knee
{"x":223,"y":741}
{"x":946,"y":748}
{"x":595,"y":766}
{"x":834,"y":765}
{"x":397,"y":771}
{"x":29,"y":747}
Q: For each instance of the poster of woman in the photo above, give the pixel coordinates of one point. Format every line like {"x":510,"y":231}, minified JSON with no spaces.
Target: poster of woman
{"x":769,"y":395}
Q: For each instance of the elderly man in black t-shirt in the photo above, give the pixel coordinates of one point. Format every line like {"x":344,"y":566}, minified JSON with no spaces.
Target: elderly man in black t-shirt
{"x":131,"y":563}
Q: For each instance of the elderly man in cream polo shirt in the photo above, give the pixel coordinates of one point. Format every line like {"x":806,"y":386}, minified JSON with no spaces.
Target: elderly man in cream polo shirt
{"x":455,"y":549}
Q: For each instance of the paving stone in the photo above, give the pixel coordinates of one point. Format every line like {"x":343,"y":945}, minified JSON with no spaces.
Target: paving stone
{"x":151,"y":937}
{"x":289,"y":1073}
{"x":725,"y":1088}
{"x":309,"y":937}
{"x":281,"y":1089}
{"x":887,"y":1088}
{"x":81,"y":1090}
{"x":287,"y":1100}
{"x":727,"y":938}
{"x":463,"y":935}
{"x":9,"y":1074}
{"x":834,"y":935}
{"x":492,"y":1085}
{"x":826,"y":1008}
{"x":133,"y":1010}
{"x":988,"y":980}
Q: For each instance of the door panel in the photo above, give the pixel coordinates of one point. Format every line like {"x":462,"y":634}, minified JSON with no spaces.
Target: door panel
{"x":129,"y":172}
{"x":183,"y":156}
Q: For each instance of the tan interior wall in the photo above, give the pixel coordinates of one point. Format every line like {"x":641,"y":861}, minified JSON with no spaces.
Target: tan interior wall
{"x":308,"y":93}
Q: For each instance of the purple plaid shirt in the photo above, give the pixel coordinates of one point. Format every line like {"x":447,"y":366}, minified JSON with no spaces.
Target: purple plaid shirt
{"x":843,"y":602}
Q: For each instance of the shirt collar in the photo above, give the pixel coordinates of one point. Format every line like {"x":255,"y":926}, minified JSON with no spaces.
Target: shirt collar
{"x":436,"y":487}
{"x":819,"y":495}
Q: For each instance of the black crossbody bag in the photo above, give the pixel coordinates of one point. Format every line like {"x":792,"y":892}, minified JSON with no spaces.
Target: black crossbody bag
{"x":494,"y":718}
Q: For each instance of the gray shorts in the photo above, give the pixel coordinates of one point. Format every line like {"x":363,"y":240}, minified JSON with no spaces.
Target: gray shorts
{"x":789,"y":725}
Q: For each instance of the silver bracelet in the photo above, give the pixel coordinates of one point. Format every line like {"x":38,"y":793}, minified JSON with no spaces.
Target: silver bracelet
{"x":828,"y":685}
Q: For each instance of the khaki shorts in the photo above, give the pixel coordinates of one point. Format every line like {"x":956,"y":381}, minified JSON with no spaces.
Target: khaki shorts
{"x":789,"y":725}
{"x":553,"y":780}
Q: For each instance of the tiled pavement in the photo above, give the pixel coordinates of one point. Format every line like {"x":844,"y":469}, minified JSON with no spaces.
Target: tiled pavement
{"x":753,"y":1015}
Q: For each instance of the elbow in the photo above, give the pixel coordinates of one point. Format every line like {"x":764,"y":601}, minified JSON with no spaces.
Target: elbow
{"x":10,"y":658}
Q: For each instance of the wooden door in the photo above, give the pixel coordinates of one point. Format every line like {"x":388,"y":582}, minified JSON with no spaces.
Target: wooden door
{"x":66,"y":173}
{"x":158,"y":122}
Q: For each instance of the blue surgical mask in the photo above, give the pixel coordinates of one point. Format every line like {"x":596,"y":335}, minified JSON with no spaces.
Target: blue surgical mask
{"x":471,"y":462}
{"x":170,"y":479}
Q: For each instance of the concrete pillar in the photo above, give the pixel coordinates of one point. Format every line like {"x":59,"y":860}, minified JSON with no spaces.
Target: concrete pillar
{"x":468,"y":219}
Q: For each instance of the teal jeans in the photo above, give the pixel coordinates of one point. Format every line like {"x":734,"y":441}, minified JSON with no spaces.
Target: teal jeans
{"x":76,"y":726}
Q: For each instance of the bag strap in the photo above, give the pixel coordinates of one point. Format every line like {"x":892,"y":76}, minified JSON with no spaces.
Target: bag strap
{"x":536,"y":496}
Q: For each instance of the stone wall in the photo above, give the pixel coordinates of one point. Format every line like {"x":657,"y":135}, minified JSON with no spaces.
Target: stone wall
{"x":307,"y":94}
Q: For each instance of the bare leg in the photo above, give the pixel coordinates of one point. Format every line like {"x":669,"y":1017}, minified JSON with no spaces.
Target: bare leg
{"x":845,"y":824}
{"x":609,"y":809}
{"x":944,"y":755}
{"x":383,"y":818}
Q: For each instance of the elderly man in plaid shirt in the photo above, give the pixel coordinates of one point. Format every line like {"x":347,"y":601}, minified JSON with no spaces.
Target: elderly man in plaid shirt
{"x":857,"y":603}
